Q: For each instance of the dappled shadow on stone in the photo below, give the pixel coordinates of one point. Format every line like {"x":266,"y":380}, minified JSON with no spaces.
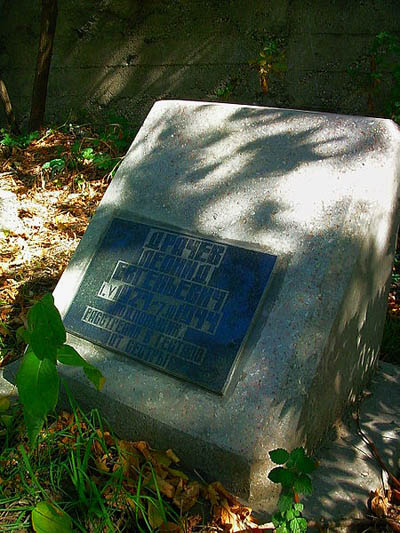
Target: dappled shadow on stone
{"x":348,"y":471}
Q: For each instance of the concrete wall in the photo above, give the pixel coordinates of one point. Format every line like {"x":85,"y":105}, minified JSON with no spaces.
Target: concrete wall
{"x":119,"y":56}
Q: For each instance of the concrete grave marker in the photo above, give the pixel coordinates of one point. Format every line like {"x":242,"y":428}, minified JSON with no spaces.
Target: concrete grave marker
{"x":317,"y":191}
{"x":177,"y":302}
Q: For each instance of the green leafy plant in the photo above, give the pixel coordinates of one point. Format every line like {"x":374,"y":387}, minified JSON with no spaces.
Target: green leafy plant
{"x":47,"y":518}
{"x":37,"y":378}
{"x":271,"y":60}
{"x":6,"y":417}
{"x":20,"y":141}
{"x":118,"y":133}
{"x":293,"y":475}
{"x":90,"y":156}
{"x":225,"y":90}
{"x":105,"y":161}
{"x":55,"y":166}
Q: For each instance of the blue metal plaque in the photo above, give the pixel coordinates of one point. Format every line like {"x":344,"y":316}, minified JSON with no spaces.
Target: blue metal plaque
{"x":180,"y":303}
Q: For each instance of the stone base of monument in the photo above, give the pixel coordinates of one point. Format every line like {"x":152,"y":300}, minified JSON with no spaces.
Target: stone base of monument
{"x":232,"y":285}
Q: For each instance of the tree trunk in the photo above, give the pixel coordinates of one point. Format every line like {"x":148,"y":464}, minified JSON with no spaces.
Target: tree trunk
{"x":12,"y":124}
{"x":47,"y":32}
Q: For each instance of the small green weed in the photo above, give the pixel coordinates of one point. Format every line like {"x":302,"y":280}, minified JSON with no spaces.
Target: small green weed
{"x":100,"y":160}
{"x":271,"y":60}
{"x":119,"y":133}
{"x":54,"y":166}
{"x":226,"y":89}
{"x":37,"y":378}
{"x":20,"y":141}
{"x":81,"y":476}
{"x":294,"y":478}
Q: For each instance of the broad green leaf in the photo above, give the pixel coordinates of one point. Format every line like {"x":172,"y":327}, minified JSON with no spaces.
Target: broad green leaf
{"x":23,"y":334}
{"x":46,"y":518}
{"x":290,"y":514}
{"x":307,"y":466}
{"x":295,"y":456}
{"x":302,"y":484}
{"x":4,"y":403}
{"x":95,"y":376}
{"x":154,"y":515}
{"x":38,"y":385}
{"x":277,"y":519}
{"x":46,"y":329}
{"x":33,"y":425}
{"x":276,"y":474}
{"x":298,"y":507}
{"x":285,"y":502}
{"x":282,"y":529}
{"x":67,"y":355}
{"x":298,"y":459}
{"x":298,"y":525}
{"x":283,"y":476}
{"x":279,"y":456}
{"x":88,"y":153}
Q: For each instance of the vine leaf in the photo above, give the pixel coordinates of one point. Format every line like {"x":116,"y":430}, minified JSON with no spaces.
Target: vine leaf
{"x":67,"y":355}
{"x":45,"y":327}
{"x":46,"y":518}
{"x":38,"y":386}
{"x":279,"y":456}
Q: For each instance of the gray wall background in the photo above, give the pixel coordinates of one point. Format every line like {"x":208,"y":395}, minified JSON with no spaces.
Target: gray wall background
{"x":116,"y":57}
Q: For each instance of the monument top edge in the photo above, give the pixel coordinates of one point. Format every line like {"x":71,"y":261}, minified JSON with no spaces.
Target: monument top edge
{"x":173,"y":102}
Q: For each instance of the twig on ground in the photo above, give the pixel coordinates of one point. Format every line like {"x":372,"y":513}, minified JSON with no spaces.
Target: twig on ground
{"x":375,"y":453}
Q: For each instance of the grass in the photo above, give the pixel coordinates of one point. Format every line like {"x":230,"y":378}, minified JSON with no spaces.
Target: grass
{"x":101,"y":482}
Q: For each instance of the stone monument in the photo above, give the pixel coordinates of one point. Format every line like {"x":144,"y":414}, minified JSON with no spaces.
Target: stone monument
{"x":232,"y":284}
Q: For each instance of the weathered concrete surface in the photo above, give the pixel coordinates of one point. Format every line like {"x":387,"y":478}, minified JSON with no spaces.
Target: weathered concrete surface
{"x":348,"y":471}
{"x":320,"y":192}
{"x":119,"y":56}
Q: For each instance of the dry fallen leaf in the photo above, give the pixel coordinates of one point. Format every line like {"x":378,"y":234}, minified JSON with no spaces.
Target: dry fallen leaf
{"x":178,"y":474}
{"x":165,"y":488}
{"x":154,"y":515}
{"x":219,"y":488}
{"x":212,"y":495}
{"x":186,"y":495}
{"x":170,"y":527}
{"x":144,"y":448}
{"x":130,"y":458}
{"x":170,"y":453}
{"x":381,"y":504}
